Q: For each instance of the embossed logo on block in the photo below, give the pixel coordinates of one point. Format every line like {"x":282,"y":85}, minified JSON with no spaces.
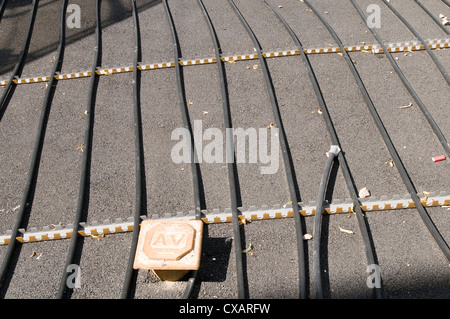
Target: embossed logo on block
{"x":169,"y":241}
{"x":169,"y":248}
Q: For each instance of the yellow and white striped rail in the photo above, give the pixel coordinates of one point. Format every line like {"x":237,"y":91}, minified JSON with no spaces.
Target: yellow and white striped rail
{"x":216,"y":216}
{"x":439,"y":43}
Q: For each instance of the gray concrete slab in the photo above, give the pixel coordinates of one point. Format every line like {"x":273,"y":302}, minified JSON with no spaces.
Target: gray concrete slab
{"x":412,"y":264}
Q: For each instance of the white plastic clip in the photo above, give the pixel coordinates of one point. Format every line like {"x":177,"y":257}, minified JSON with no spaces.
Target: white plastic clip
{"x":334,"y":149}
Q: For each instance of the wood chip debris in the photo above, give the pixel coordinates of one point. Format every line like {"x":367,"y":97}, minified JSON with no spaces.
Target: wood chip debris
{"x":406,"y":106}
{"x":98,"y":236}
{"x":33,"y":254}
{"x":426,"y":194}
{"x":444,"y":19}
{"x":364,"y":192}
{"x":255,"y":67}
{"x":271,"y":125}
{"x":307,"y":237}
{"x":390,"y":163}
{"x":289,"y":202}
{"x":53,"y":226}
{"x":244,"y":221}
{"x":82,"y":117}
{"x":347,"y":231}
{"x":80,"y":148}
{"x":250,"y":248}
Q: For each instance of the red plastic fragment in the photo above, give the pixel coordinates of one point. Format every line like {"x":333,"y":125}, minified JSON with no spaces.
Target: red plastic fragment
{"x":438,"y":158}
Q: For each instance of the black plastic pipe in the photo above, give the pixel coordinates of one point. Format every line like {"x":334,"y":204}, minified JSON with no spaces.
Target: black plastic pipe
{"x":87,"y":154}
{"x":230,"y":148}
{"x":332,"y":154}
{"x":7,"y":92}
{"x":187,"y":125}
{"x":432,"y":16}
{"x":27,"y":196}
{"x":139,"y":154}
{"x":390,"y":146}
{"x":437,"y":131}
{"x":362,"y":221}
{"x":419,"y":37}
{"x":286,"y":156}
{"x":2,"y":8}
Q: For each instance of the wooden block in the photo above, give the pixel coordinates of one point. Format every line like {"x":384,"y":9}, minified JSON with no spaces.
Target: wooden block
{"x":169,"y":248}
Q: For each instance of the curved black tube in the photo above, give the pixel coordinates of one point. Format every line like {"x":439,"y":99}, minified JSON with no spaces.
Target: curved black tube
{"x":418,"y":36}
{"x":86,"y":161}
{"x":139,"y":151}
{"x":187,"y":124}
{"x":7,"y":92}
{"x":334,"y":151}
{"x":390,"y":146}
{"x":368,"y":245}
{"x":230,"y":166}
{"x":286,"y":157}
{"x":184,"y":112}
{"x":432,"y":16}
{"x":27,"y":197}
{"x":2,"y":8}
{"x":408,"y":86}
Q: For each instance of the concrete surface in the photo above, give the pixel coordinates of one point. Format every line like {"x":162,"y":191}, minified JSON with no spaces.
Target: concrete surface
{"x":412,"y":264}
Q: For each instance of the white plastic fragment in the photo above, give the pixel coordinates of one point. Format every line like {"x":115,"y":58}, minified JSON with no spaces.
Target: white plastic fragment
{"x":364,"y":192}
{"x":307,"y":237}
{"x":347,"y":231}
{"x":444,"y":19}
